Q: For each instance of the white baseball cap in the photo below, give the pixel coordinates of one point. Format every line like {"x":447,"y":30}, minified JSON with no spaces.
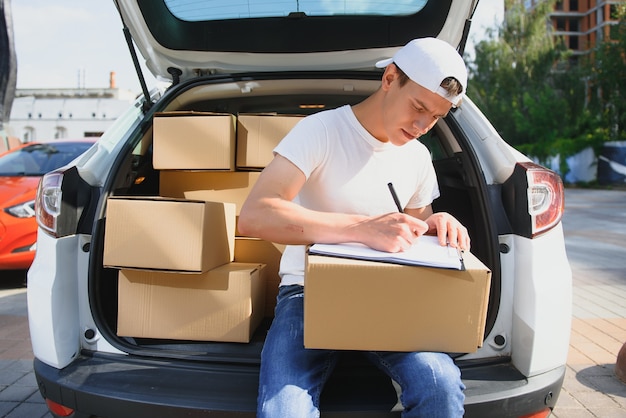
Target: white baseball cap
{"x":428,"y":61}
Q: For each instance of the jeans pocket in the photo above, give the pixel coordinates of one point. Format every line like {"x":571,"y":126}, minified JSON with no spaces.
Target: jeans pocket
{"x":289,"y":292}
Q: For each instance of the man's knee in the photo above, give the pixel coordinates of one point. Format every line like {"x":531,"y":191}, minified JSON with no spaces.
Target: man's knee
{"x":289,"y":401}
{"x":434,"y":389}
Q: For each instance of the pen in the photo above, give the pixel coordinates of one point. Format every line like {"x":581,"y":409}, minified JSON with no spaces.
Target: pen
{"x":395,"y":197}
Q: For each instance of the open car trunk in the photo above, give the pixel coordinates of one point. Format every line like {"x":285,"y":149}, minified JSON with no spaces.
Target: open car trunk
{"x":463,"y":194}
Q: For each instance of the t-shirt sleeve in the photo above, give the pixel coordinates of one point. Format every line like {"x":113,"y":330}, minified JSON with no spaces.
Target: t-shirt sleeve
{"x":427,"y":187}
{"x":306,"y":145}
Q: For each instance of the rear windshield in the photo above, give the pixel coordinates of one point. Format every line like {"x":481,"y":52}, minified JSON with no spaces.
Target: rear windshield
{"x":291,"y":26}
{"x":192,"y":10}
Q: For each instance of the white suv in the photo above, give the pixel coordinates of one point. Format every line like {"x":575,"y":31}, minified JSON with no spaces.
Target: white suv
{"x":289,"y":58}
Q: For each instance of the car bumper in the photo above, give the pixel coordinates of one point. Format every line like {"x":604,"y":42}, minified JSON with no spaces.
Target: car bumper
{"x":123,"y":386}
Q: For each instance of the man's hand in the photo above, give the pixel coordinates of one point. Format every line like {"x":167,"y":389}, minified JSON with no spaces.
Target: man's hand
{"x":449,"y":230}
{"x":392,"y":232}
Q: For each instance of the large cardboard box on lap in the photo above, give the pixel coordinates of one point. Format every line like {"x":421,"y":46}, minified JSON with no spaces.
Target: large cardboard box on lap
{"x":194,"y":141}
{"x":161,"y":233}
{"x":367,"y":305}
{"x":223,"y":304}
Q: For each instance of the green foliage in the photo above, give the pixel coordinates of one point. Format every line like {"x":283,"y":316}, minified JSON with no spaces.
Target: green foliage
{"x":512,"y":77}
{"x":607,"y":78}
{"x":538,"y":98}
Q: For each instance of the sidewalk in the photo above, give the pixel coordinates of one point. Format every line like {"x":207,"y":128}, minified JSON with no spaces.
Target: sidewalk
{"x":591,"y":388}
{"x":19,"y":396}
{"x":597,"y":255}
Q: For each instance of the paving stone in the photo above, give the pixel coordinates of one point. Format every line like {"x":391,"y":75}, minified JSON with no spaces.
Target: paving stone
{"x":6,"y":407}
{"x":17,"y":393}
{"x":36,"y":397}
{"x":29,"y":410}
{"x":621,"y":400}
{"x":8,"y":377}
{"x":595,"y":400}
{"x":597,"y":370}
{"x":610,"y":385}
{"x":572,"y":413}
{"x":27,"y":380}
{"x":567,"y":401}
{"x":608,"y":412}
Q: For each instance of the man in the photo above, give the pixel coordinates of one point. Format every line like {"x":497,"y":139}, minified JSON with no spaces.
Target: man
{"x":328,"y":184}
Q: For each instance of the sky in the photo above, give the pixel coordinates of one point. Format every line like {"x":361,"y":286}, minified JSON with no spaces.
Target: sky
{"x":78,"y":43}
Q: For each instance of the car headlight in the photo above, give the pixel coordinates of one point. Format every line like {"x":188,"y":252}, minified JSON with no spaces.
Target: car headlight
{"x":23,"y":210}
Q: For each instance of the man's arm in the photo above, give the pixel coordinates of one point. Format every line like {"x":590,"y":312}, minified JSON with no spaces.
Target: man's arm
{"x":269,"y":213}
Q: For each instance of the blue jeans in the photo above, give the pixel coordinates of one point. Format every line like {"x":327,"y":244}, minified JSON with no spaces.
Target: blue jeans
{"x":292,"y":377}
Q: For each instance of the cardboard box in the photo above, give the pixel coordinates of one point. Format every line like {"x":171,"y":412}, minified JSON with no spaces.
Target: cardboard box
{"x":223,"y":304}
{"x":215,"y":186}
{"x":366,"y":305}
{"x":258,"y":135}
{"x":193,"y":141}
{"x":255,"y":250}
{"x":168,"y":234}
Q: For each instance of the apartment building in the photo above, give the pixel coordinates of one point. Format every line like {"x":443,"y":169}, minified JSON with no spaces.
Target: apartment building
{"x":583,"y":23}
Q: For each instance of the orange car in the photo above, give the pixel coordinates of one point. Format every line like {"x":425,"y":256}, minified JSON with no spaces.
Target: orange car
{"x":21,"y":169}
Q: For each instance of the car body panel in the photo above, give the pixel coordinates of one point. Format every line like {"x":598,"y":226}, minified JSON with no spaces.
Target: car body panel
{"x":127,"y":387}
{"x":542,"y":290}
{"x":56,"y":303}
{"x":282,"y":44}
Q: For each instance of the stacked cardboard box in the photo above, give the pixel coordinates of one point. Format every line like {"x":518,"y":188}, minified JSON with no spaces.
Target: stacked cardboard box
{"x":177,"y":277}
{"x":168,"y":234}
{"x":216,"y":141}
{"x":193,"y":141}
{"x":258,"y":135}
{"x":222,"y":304}
{"x":218,"y":186}
{"x":254,"y":250}
{"x":183,"y":274}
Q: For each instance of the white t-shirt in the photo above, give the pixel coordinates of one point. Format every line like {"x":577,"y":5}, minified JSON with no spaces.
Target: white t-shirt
{"x":348,"y":171}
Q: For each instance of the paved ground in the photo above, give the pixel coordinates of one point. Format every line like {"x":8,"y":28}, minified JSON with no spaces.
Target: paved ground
{"x":19,"y":397}
{"x":596,"y":248}
{"x":595,"y":230}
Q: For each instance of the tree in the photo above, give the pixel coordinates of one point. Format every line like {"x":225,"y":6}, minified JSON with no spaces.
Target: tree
{"x":607,"y":78}
{"x":522,"y":81}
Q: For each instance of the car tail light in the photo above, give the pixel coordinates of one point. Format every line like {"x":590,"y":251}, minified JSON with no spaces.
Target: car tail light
{"x":534,"y":199}
{"x":545,"y":197}
{"x":544,"y":413}
{"x":58,"y":409}
{"x":61,"y":201}
{"x":48,"y":202}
